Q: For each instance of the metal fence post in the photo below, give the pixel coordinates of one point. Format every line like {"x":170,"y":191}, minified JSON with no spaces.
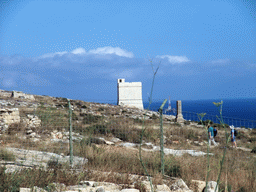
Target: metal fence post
{"x":162,"y":136}
{"x":70,"y":134}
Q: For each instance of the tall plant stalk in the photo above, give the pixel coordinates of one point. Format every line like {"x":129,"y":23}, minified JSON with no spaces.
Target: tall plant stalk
{"x":219,"y":105}
{"x":200,"y":117}
{"x":143,"y":124}
{"x":220,"y":118}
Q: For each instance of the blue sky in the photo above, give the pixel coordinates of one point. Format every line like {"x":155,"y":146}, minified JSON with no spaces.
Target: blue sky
{"x":78,"y":49}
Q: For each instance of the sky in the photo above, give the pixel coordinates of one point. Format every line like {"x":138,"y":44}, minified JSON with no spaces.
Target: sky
{"x":205,"y":49}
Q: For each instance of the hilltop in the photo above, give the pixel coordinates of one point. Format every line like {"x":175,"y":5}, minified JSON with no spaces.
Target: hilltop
{"x":106,"y":144}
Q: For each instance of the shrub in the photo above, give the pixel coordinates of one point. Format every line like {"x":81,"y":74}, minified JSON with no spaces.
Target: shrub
{"x":138,"y":120}
{"x":173,"y":170}
{"x":130,"y":134}
{"x":89,"y":118}
{"x":98,"y":129}
{"x":140,"y":186}
{"x":101,"y":109}
{"x":206,"y":122}
{"x":6,"y":155}
{"x":54,"y":164}
{"x":16,"y":128}
{"x":154,"y":116}
{"x":252,"y":139}
{"x":222,"y":187}
{"x":253,"y":150}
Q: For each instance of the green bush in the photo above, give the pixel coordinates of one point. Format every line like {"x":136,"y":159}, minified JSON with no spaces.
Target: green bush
{"x":252,"y":139}
{"x":54,"y":164}
{"x":172,"y":170}
{"x":89,"y":118}
{"x":98,"y":129}
{"x":6,"y":155}
{"x":253,"y":150}
{"x":206,"y":122}
{"x":191,"y":135}
{"x":154,"y":116}
{"x":101,"y":109}
{"x":222,"y":187}
{"x":137,"y":120}
{"x":131,"y":135}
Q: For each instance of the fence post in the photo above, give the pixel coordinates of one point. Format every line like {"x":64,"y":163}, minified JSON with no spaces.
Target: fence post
{"x":70,"y":134}
{"x":162,"y":136}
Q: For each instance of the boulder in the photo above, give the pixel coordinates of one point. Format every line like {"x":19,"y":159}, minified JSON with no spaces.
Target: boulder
{"x":180,"y":186}
{"x":198,"y":185}
{"x":100,"y":189}
{"x":211,"y":187}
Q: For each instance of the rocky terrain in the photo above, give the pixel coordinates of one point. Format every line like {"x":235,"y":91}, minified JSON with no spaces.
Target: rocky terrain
{"x":28,"y":122}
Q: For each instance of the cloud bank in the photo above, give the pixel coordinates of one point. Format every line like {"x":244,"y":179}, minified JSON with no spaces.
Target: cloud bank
{"x":81,"y":73}
{"x":99,"y":51}
{"x":174,"y":59}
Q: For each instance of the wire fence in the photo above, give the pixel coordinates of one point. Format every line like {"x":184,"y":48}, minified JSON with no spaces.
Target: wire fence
{"x":61,"y":135}
{"x":238,"y":123}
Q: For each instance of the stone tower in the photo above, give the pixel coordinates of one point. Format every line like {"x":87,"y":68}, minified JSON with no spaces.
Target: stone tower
{"x":129,"y":94}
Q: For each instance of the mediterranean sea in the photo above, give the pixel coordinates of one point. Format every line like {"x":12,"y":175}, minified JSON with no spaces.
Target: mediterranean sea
{"x":237,"y":112}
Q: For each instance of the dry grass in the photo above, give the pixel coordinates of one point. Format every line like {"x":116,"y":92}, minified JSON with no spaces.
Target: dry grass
{"x":239,"y":167}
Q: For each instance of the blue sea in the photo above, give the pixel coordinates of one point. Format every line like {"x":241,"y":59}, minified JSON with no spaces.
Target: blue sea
{"x":237,"y":112}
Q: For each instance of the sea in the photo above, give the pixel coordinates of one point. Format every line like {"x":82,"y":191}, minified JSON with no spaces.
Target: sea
{"x":237,"y":112}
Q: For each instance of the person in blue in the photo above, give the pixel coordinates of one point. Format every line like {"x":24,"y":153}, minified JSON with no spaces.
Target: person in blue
{"x":211,"y":136}
{"x":233,"y":137}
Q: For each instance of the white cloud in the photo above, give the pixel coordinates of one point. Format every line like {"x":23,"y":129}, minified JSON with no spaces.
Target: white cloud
{"x":112,"y":50}
{"x":47,"y":55}
{"x":220,"y":61}
{"x":99,"y":51}
{"x":174,"y":59}
{"x":79,"y":51}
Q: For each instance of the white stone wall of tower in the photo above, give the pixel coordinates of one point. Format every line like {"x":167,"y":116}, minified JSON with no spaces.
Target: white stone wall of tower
{"x":130,"y":94}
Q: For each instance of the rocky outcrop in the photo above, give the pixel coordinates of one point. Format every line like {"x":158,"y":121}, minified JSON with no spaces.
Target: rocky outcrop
{"x":5,"y":94}
{"x":31,"y":158}
{"x":31,"y":121}
{"x":149,"y":147}
{"x":21,"y":95}
{"x":92,"y":186}
{"x":8,"y":116}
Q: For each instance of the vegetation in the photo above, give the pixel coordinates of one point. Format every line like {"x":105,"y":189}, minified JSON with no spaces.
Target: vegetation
{"x":238,"y":174}
{"x":6,"y":155}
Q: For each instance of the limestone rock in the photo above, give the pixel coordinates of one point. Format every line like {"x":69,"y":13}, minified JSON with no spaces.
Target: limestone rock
{"x":211,"y":187}
{"x":8,"y":116}
{"x":116,"y":140}
{"x":21,"y":95}
{"x":163,"y":187}
{"x":30,"y":190}
{"x":180,"y":186}
{"x":198,"y":185}
{"x":100,"y":189}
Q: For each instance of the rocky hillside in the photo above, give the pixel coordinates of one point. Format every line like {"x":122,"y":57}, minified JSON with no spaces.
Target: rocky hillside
{"x":35,"y":131}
